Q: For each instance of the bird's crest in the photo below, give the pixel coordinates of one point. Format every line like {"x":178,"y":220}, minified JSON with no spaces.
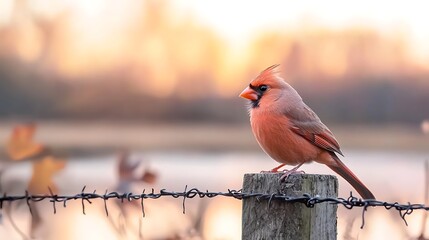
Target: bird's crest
{"x":267,"y":75}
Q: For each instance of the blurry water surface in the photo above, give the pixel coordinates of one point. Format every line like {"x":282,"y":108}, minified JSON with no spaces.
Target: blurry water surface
{"x":391,"y":175}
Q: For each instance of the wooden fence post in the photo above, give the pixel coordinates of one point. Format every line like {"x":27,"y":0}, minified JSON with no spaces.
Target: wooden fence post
{"x":289,"y":220}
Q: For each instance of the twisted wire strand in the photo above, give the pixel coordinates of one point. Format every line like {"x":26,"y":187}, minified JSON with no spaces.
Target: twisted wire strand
{"x":309,"y":201}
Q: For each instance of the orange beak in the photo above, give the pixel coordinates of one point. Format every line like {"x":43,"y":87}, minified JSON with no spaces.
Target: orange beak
{"x":250,"y":94}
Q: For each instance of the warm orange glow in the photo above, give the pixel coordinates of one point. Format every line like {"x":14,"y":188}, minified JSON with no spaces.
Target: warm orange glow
{"x":84,"y":224}
{"x":425,"y":126}
{"x":30,"y":42}
{"x":223,"y":220}
{"x":333,"y":60}
{"x":384,"y":220}
{"x":166,"y":47}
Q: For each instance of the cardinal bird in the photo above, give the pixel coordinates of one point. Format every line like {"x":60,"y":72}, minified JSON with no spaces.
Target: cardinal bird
{"x":290,"y":132}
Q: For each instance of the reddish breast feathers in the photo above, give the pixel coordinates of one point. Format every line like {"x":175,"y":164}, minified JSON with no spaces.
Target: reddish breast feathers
{"x":273,"y":133}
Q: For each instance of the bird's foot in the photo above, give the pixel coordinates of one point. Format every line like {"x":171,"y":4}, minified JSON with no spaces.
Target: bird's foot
{"x":287,"y":173}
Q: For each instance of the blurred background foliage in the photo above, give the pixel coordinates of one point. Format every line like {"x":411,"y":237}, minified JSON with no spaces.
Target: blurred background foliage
{"x":148,"y":62}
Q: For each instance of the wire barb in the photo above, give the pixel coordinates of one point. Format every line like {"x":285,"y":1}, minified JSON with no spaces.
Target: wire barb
{"x":306,"y":199}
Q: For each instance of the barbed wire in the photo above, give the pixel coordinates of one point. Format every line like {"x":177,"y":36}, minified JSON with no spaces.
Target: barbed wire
{"x":306,"y":199}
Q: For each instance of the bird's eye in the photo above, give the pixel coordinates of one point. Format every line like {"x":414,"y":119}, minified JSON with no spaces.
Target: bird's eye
{"x":263,"y":88}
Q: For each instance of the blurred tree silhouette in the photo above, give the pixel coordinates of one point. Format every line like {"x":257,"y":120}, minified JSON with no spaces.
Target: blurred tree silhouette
{"x":170,"y":68}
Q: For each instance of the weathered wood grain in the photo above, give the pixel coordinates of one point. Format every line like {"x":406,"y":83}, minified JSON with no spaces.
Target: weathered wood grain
{"x":289,"y":220}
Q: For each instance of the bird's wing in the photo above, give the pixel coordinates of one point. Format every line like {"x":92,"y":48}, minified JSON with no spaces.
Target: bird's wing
{"x":308,"y":125}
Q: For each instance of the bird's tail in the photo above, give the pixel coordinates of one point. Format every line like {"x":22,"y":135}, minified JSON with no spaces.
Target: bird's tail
{"x":350,"y":177}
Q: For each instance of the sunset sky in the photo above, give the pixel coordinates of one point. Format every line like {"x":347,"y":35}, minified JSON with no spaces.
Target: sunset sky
{"x":237,"y":20}
{"x":221,"y":39}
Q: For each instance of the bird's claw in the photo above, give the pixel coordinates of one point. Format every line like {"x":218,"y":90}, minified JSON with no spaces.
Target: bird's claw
{"x":287,"y":173}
